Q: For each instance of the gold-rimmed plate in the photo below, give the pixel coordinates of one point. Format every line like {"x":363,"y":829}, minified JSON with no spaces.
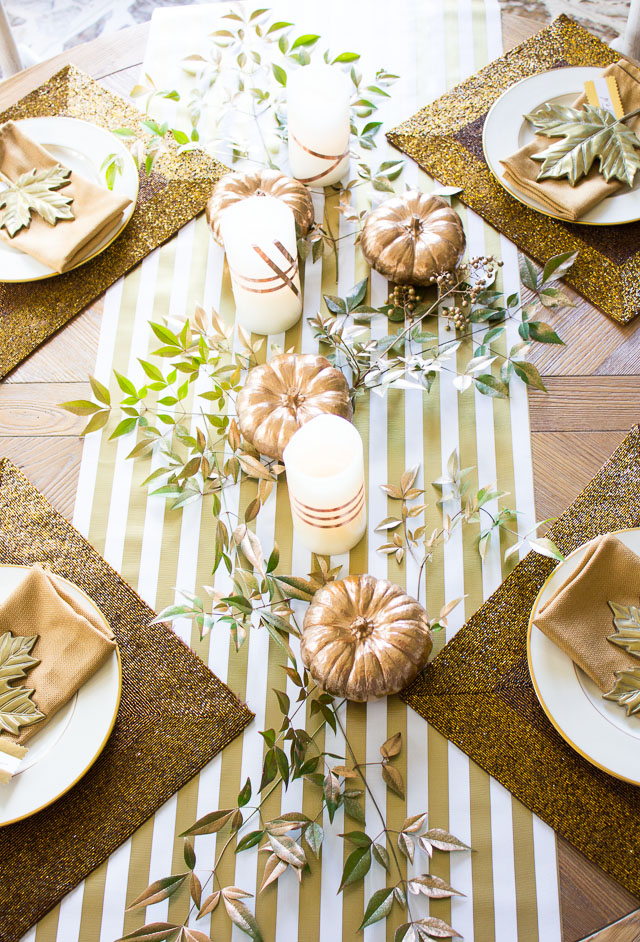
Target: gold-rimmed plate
{"x":71,"y":742}
{"x":598,"y":729}
{"x":506,"y":131}
{"x":83,"y":147}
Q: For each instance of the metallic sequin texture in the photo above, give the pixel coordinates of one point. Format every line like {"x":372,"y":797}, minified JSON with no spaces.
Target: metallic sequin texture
{"x":174,"y":716}
{"x":433,"y":138}
{"x":176,"y":190}
{"x":478,"y":692}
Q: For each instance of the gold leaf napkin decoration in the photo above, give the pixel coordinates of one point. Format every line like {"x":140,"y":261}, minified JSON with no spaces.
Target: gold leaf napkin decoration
{"x":556,"y":195}
{"x":70,"y":642}
{"x":577,"y":617}
{"x":626,"y":693}
{"x":95,"y":209}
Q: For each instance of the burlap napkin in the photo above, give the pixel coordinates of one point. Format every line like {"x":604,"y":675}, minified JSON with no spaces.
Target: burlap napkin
{"x":95,"y":209}
{"x":558,"y":196}
{"x":577,"y":617}
{"x":73,"y":642}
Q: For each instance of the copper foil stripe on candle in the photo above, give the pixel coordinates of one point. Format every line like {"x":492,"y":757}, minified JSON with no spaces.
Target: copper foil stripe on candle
{"x":283,"y":277}
{"x":335,"y":157}
{"x":330,"y":517}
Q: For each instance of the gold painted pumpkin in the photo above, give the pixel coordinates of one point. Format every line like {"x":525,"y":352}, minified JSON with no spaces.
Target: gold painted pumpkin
{"x":233,"y":187}
{"x":281,"y":395}
{"x":364,"y":638}
{"x":412,"y":238}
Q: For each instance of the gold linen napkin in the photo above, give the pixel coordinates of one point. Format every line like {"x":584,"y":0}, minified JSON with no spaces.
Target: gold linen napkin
{"x":95,"y":208}
{"x":577,"y":617}
{"x":73,"y":642}
{"x":558,"y":196}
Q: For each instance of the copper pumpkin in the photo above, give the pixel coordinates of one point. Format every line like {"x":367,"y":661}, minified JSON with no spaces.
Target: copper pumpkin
{"x":281,"y":395}
{"x":412,"y":238}
{"x":364,"y":638}
{"x":233,"y":187}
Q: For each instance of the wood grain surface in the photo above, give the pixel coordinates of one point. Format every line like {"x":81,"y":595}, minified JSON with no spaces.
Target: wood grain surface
{"x":593,"y":398}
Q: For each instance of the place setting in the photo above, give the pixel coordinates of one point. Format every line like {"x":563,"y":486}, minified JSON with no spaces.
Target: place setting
{"x":300,"y":659}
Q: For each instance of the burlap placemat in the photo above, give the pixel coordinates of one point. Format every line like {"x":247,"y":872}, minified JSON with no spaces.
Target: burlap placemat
{"x":478,"y":691}
{"x":176,"y":190}
{"x":174,"y":716}
{"x":445,"y":138}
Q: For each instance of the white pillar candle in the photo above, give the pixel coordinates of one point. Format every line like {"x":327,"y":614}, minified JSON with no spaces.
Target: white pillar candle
{"x":318,"y":118}
{"x":259,"y":235}
{"x":325,"y":477}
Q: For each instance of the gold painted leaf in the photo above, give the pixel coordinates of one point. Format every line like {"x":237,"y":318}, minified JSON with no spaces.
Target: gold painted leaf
{"x":393,"y":780}
{"x":432,"y":886}
{"x":273,"y":868}
{"x":158,"y":890}
{"x":626,"y":692}
{"x":392,"y":746}
{"x":436,"y":929}
{"x":587,"y":134}
{"x":241,"y":916}
{"x":441,"y":840}
{"x":209,"y":904}
{"x":17,"y":709}
{"x":627,"y":623}
{"x":35,"y":192}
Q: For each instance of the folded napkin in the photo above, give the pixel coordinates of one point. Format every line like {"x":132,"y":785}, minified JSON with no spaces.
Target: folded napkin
{"x":577,"y":617}
{"x":558,"y":196}
{"x":95,"y":208}
{"x":73,"y":642}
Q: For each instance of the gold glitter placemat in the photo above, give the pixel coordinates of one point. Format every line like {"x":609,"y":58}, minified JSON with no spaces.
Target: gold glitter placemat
{"x":445,"y":138}
{"x":174,"y":716}
{"x":176,"y":190}
{"x":478,"y":691}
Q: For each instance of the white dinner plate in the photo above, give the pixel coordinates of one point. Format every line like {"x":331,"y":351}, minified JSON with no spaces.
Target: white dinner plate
{"x":598,"y":729}
{"x":506,"y":130}
{"x":82,"y":147}
{"x":71,"y":742}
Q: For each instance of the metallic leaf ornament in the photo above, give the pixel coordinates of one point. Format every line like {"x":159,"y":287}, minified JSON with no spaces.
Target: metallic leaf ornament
{"x":233,"y":187}
{"x":587,"y":133}
{"x":35,"y":192}
{"x":626,"y":692}
{"x":281,"y":395}
{"x":627,"y":622}
{"x":413,"y":238}
{"x":364,"y":638}
{"x":16,"y":707}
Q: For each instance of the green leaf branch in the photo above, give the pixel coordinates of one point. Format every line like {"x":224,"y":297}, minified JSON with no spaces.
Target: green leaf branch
{"x":293,"y":840}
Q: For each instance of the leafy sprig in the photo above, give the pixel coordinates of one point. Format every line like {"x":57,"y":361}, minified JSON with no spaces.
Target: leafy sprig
{"x":411,"y":357}
{"x":293,"y":839}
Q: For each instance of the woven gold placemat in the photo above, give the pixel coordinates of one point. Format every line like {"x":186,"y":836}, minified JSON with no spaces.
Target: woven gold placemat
{"x":176,"y":190}
{"x":445,"y":138}
{"x":478,"y":691}
{"x":174,"y":716}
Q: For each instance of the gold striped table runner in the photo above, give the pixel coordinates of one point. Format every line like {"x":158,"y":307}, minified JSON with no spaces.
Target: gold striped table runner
{"x":510,"y":882}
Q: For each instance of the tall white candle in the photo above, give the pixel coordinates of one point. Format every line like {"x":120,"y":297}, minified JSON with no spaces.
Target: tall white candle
{"x":259,"y":235}
{"x":319,"y":124}
{"x":325,"y":477}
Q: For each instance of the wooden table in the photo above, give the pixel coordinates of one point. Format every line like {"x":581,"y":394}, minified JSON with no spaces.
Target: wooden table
{"x":593,"y":400}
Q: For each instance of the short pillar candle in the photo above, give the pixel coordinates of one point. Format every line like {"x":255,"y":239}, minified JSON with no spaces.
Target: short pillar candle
{"x":318,"y":117}
{"x":325,"y":477}
{"x":259,"y":235}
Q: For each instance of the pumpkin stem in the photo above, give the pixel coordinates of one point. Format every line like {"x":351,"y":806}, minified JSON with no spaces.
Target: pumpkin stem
{"x":415,"y":225}
{"x":293,"y":400}
{"x":361,"y":627}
